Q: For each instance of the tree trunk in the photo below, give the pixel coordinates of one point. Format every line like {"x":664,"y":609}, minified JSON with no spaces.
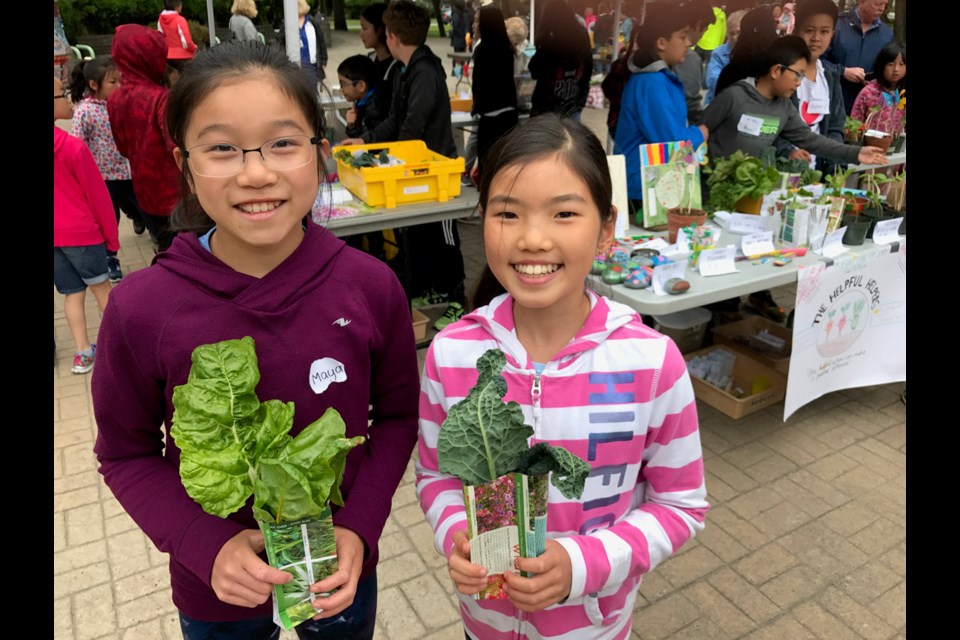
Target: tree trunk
{"x":900,"y":22}
{"x":339,"y":16}
{"x":439,"y":14}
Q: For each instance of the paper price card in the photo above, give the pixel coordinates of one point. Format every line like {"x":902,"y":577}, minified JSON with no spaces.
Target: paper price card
{"x":716,"y":262}
{"x":657,"y":243}
{"x":746,"y":223}
{"x":757,"y":243}
{"x":664,"y":272}
{"x":887,"y":231}
{"x":833,"y":243}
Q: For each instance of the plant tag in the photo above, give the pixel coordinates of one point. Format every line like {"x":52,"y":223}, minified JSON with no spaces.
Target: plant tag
{"x":833,"y":243}
{"x":750,"y":125}
{"x":887,"y":231}
{"x":657,"y":243}
{"x":716,"y":262}
{"x":746,"y":223}
{"x":664,"y":272}
{"x":757,"y":243}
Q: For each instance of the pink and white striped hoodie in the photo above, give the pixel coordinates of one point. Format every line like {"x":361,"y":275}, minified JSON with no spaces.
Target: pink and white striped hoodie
{"x":618,"y":396}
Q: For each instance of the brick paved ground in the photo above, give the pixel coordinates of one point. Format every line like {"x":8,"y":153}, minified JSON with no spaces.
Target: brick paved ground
{"x":806,"y":537}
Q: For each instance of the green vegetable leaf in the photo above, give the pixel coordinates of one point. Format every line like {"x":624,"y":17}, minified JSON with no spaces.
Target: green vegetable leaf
{"x":569,"y":471}
{"x":483,"y":437}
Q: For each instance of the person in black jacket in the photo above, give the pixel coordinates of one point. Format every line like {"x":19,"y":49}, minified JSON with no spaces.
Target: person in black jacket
{"x":494,"y":89}
{"x":562,"y":64}
{"x":460,"y":24}
{"x":373,"y":34}
{"x":421,"y":111}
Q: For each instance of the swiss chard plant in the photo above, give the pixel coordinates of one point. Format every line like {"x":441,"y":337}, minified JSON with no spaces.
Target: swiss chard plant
{"x":736,"y":177}
{"x":483,"y":437}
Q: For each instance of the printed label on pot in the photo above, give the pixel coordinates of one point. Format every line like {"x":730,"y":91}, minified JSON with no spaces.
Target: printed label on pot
{"x":887,"y":231}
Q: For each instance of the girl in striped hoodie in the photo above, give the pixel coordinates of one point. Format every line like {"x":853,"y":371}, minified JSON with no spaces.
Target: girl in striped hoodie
{"x":589,"y":376}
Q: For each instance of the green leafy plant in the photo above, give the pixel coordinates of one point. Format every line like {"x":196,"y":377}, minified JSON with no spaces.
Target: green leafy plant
{"x":483,"y":437}
{"x":874,"y":182}
{"x":900,"y":200}
{"x":838,"y":181}
{"x":232,"y":445}
{"x":738,"y":176}
{"x":852,"y":129}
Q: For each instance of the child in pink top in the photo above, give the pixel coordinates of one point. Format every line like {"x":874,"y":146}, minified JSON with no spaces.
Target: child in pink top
{"x":880,"y":104}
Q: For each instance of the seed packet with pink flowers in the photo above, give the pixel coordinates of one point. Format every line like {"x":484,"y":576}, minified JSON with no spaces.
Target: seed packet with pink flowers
{"x":485,"y":442}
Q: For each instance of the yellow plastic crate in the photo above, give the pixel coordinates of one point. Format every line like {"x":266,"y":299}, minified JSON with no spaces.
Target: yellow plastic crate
{"x":426,"y":176}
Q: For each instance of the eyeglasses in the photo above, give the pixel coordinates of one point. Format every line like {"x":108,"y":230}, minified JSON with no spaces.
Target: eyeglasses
{"x":62,"y":95}
{"x":352,"y":83}
{"x":223,"y":160}
{"x":799,"y":74}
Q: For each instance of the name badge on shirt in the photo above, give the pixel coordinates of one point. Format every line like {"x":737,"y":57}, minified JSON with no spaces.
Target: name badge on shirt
{"x":818,"y":105}
{"x":750,"y":125}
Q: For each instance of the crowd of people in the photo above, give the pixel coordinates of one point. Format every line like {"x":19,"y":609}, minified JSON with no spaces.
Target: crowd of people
{"x":219,"y":153}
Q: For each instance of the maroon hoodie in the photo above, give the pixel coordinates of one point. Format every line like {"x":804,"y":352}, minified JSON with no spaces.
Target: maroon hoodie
{"x":137,"y":110}
{"x":326,"y":301}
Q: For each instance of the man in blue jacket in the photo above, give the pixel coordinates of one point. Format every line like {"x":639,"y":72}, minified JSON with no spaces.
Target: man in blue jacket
{"x":860,"y":37}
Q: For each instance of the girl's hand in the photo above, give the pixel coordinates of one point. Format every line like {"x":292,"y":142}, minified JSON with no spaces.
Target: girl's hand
{"x":800,"y":154}
{"x":704,"y":131}
{"x":349,"y":563}
{"x":550,"y":585}
{"x":239,"y":576}
{"x":871,"y":155}
{"x":352,"y":141}
{"x":351,"y":116}
{"x":470,"y":578}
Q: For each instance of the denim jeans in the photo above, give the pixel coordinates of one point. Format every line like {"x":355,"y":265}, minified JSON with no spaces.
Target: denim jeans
{"x":356,"y":622}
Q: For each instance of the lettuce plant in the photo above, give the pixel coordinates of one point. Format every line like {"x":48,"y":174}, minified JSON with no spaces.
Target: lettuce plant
{"x":483,"y":437}
{"x":232,"y":445}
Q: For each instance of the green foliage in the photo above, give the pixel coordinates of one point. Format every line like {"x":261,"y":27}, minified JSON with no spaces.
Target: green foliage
{"x":838,"y":180}
{"x":738,"y":176}
{"x":103,"y":16}
{"x":231,"y":445}
{"x":569,"y":472}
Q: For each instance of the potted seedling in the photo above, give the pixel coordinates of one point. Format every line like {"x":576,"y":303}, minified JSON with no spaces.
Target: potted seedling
{"x":685,"y":214}
{"x":896,"y":202}
{"x":876,"y":137}
{"x":849,"y":207}
{"x":739,"y":182}
{"x":852,"y":130}
{"x":877,"y":210}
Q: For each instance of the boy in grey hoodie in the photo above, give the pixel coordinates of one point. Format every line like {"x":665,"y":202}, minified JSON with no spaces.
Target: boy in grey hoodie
{"x":752,"y":114}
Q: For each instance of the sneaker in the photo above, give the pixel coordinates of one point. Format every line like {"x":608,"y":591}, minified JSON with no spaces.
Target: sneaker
{"x":762,"y":302}
{"x":138,"y":226}
{"x":429,"y":298}
{"x":113,"y":266}
{"x":453,"y":313}
{"x":83,"y":363}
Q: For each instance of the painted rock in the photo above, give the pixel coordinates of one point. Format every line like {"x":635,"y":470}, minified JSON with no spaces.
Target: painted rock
{"x":598,"y":266}
{"x":644,"y":253}
{"x":639,"y":278}
{"x":613,"y":274}
{"x":676,"y":286}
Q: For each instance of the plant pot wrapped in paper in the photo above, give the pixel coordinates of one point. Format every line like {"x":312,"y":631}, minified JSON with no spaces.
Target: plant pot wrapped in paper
{"x":232,"y":446}
{"x":484,"y":442}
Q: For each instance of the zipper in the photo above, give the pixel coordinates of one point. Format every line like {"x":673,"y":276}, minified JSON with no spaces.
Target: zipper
{"x":535,"y":397}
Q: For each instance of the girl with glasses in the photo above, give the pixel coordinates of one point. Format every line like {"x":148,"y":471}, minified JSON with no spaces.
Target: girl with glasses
{"x":249,"y":261}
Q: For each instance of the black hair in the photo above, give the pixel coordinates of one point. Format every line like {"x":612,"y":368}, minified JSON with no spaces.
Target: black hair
{"x":171,"y":5}
{"x":698,"y":12}
{"x":359,"y":67}
{"x":887,"y":55}
{"x":785,"y":51}
{"x":662,"y":20}
{"x":408,"y":21}
{"x":806,"y":9}
{"x":758,"y":30}
{"x":560,"y":32}
{"x":231,"y":62}
{"x":493,"y":29}
{"x":374,"y":15}
{"x":540,"y":137}
{"x":85,"y":71}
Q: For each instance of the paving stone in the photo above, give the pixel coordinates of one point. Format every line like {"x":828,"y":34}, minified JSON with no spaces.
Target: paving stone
{"x":886,"y":451}
{"x":171,"y":627}
{"x":429,"y":601}
{"x":57,"y":463}
{"x":76,"y":557}
{"x":823,"y":490}
{"x":752,"y":503}
{"x":718,"y":609}
{"x":79,"y":458}
{"x":144,"y":608}
{"x":748,"y":454}
{"x":452,"y":632}
{"x":74,"y":406}
{"x":712,"y":441}
{"x":771,"y":468}
{"x":792,"y":586}
{"x":702,"y":629}
{"x":765,"y":563}
{"x":683,"y":569}
{"x":81,"y":579}
{"x":822,"y":623}
{"x":783,"y":446}
{"x":406,"y":494}
{"x":870,"y":460}
{"x":409,"y":515}
{"x":855,"y":616}
{"x":730,"y":474}
{"x":831,"y":467}
{"x":717,"y":489}
{"x":850,"y":518}
{"x":84,"y":524}
{"x":399,"y":569}
{"x":878,"y":536}
{"x":93,"y":613}
{"x":395,"y":616}
{"x":157,"y":557}
{"x":119,"y":524}
{"x":800,"y":496}
{"x":721,"y":543}
{"x":864,"y":419}
{"x":128,"y":554}
{"x":59,"y":532}
{"x":655,"y":586}
{"x":892,"y":606}
{"x":896,"y":410}
{"x":421,"y":535}
{"x":67,"y":484}
{"x":816,"y":536}
{"x":738,"y":528}
{"x":664,"y":617}
{"x":748,"y":598}
{"x":896,"y":559}
{"x":781,"y":519}
{"x":785,"y":628}
{"x":394,"y":544}
{"x":150,"y":630}
{"x":142,"y":584}
{"x":869,"y":582}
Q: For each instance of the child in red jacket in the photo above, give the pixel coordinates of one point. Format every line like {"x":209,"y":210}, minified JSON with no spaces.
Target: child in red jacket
{"x":173,"y":26}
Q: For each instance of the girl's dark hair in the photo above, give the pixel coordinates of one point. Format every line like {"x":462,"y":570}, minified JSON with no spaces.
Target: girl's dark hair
{"x":758,"y":30}
{"x":96,"y":70}
{"x":537,"y":138}
{"x":374,"y":15}
{"x":560,"y":32}
{"x":359,"y":67}
{"x":225,"y":63}
{"x":493,"y":30}
{"x":887,"y":55}
{"x":785,"y":51}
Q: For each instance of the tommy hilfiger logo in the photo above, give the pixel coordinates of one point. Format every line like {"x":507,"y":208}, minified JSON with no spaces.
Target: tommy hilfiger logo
{"x":341,"y":321}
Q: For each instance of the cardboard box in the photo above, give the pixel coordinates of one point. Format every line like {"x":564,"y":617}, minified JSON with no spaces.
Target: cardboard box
{"x":745,"y":371}
{"x":419,"y":324}
{"x":740,"y":337}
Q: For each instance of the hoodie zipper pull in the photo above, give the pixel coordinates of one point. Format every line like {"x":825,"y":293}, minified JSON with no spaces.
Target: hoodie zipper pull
{"x":535,"y":397}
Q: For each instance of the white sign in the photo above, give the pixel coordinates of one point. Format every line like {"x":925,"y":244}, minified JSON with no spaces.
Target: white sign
{"x":716,"y":262}
{"x":850,"y":327}
{"x":618,"y":177}
{"x":833,"y":243}
{"x":746,"y":223}
{"x":887,"y":231}
{"x":664,"y":272}
{"x":657,"y":243}
{"x":757,"y":244}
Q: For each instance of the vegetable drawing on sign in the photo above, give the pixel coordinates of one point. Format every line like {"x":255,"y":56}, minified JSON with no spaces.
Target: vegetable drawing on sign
{"x":233,"y":446}
{"x":835,"y":335}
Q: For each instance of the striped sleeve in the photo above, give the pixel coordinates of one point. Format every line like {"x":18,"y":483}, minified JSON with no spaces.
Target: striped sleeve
{"x":671,"y":487}
{"x":440,"y":495}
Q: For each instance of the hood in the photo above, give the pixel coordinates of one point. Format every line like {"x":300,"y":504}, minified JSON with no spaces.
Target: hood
{"x":296,"y":277}
{"x":425,"y":55}
{"x":653,"y":67}
{"x":59,"y":136}
{"x":140,"y":54}
{"x":749,"y":87}
{"x":497,"y":319}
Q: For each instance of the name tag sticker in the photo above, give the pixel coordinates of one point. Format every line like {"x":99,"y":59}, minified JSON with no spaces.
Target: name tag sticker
{"x":750,"y":125}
